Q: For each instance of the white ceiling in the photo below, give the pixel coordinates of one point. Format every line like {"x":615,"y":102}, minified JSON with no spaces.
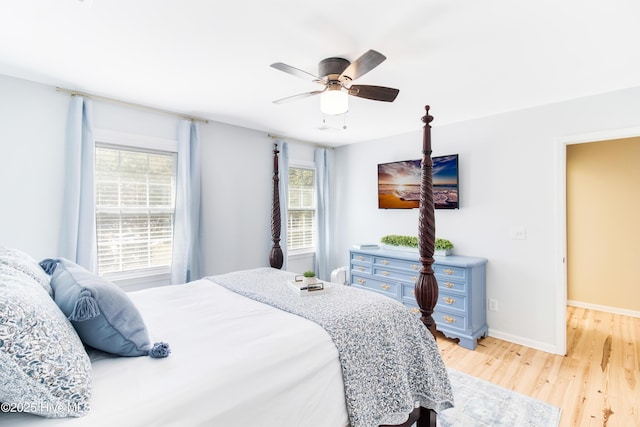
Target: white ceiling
{"x":465,"y":58}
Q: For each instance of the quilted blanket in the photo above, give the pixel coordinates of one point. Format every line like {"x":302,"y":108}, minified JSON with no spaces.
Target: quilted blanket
{"x":390,"y":361}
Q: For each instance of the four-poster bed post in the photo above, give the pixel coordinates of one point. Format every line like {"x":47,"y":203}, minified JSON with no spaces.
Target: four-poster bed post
{"x":426,"y":288}
{"x":276,"y":258}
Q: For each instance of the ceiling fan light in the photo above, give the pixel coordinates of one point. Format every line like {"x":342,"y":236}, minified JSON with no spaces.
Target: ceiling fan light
{"x":334,"y":102}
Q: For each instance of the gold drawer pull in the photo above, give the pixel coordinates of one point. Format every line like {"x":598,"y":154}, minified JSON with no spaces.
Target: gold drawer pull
{"x":385,"y":287}
{"x":414,"y":278}
{"x":385,"y":273}
{"x":449,"y":284}
{"x":449,"y":300}
{"x":384,"y":262}
{"x":448,"y":271}
{"x":361,"y":268}
{"x":361,"y":281}
{"x":415,"y":310}
{"x":414,"y":266}
{"x":448,"y":319}
{"x":360,"y":258}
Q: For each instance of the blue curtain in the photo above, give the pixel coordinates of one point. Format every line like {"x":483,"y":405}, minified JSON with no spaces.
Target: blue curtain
{"x":78,"y":232}
{"x":323,"y":212}
{"x":187,"y":253}
{"x":283,"y":194}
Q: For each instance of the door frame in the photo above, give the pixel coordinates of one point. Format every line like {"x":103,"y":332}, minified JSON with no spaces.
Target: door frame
{"x":561,"y":219}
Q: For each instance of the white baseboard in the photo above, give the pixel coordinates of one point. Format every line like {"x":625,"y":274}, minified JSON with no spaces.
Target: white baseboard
{"x":548,"y":348}
{"x":606,"y":309}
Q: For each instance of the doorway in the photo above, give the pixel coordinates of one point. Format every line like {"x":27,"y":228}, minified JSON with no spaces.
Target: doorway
{"x":603,"y":232}
{"x":561,"y":296}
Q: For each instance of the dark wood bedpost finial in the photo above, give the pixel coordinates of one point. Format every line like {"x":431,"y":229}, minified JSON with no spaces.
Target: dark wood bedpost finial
{"x":275,"y":257}
{"x":426,"y":286}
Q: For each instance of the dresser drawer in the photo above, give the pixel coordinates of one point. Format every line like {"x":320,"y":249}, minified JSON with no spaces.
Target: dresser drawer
{"x":389,"y":288}
{"x":408,"y":293}
{"x":448,"y":271}
{"x":446,"y":300}
{"x":452,"y":301}
{"x":383,"y":272}
{"x":361,"y":258}
{"x":360,"y":268}
{"x":397,"y":264}
{"x":449,"y":320}
{"x":452,"y":285}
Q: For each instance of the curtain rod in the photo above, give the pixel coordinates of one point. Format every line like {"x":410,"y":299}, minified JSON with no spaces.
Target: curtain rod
{"x":131,"y":104}
{"x":300,"y":141}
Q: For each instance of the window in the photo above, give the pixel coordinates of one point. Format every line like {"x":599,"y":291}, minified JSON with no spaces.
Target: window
{"x":135,"y":201}
{"x":301,"y":219}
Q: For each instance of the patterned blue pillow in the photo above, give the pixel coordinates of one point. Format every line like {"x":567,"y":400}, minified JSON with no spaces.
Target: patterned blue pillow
{"x":15,"y":259}
{"x":45,"y":369}
{"x":103,"y":314}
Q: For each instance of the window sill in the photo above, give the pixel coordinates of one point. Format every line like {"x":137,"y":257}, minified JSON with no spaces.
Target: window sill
{"x":301,"y":253}
{"x":136,"y":281}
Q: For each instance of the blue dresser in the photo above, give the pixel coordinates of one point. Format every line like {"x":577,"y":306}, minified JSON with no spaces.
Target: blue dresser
{"x":461,"y":310}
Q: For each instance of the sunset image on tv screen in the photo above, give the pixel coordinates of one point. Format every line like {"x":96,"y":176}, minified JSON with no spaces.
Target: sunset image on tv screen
{"x":399,"y":183}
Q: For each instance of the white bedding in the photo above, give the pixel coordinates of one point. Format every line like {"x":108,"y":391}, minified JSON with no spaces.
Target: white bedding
{"x":233,"y":362}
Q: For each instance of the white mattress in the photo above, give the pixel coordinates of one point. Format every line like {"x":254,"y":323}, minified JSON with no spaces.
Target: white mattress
{"x":233,"y":362}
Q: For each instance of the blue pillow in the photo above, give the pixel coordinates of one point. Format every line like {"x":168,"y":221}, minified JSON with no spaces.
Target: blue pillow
{"x":103,"y":314}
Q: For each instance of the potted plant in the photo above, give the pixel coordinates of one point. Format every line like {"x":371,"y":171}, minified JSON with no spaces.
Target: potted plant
{"x":409,"y":243}
{"x":308,"y":278}
{"x":442,"y":247}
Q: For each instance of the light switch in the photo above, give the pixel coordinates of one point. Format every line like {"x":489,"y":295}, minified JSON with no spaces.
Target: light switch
{"x":518,"y":232}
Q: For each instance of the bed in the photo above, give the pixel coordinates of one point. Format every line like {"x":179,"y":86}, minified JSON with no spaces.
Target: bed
{"x":243,"y":350}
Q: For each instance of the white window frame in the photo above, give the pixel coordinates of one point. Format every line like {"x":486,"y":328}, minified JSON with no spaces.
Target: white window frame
{"x":299,"y":253}
{"x":159,"y":276}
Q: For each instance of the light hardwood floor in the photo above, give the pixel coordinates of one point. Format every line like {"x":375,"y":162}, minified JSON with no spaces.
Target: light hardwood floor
{"x":596,"y":384}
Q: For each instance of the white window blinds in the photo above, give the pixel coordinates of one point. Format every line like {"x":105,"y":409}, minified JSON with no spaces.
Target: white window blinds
{"x":301,"y":220}
{"x":135,"y":200}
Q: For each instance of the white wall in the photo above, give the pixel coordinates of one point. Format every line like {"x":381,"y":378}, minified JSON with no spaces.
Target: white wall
{"x":508,"y":178}
{"x":236,"y":164}
{"x":32,"y":126}
{"x":237,"y":167}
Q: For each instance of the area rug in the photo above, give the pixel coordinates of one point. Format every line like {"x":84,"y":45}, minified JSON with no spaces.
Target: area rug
{"x":480,"y":403}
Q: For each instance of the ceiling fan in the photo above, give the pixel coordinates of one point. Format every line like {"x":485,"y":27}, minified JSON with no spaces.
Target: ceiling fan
{"x":336,"y":75}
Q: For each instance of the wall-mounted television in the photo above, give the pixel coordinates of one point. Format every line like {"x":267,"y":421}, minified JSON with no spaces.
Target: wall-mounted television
{"x":399,"y":183}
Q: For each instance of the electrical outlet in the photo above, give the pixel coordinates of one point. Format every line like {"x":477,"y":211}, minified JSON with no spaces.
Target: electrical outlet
{"x":493,"y":304}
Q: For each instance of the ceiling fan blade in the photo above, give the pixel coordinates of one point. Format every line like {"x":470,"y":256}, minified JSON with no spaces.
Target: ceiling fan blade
{"x":377,"y":93}
{"x":298,"y":96}
{"x":295,"y":71}
{"x":367,"y":62}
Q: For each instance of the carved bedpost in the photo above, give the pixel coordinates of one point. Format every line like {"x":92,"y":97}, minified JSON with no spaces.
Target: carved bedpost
{"x":426,"y":286}
{"x":275,"y":257}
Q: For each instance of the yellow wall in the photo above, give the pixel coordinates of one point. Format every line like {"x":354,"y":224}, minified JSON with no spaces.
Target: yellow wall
{"x":603,"y":223}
